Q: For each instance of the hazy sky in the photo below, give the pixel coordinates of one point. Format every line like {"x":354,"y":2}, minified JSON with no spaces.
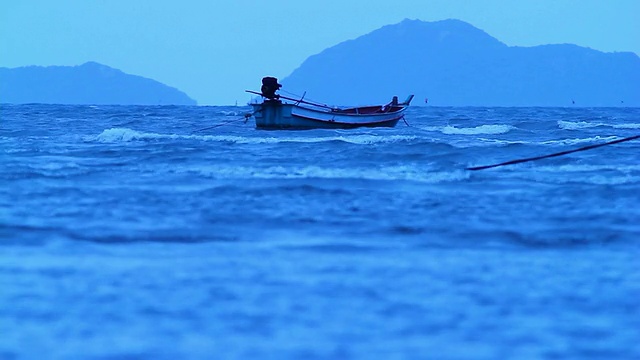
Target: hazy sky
{"x":215,"y":49}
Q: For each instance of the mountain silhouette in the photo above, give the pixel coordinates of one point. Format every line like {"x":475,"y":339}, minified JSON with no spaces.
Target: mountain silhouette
{"x":452,"y":63}
{"x":89,"y":83}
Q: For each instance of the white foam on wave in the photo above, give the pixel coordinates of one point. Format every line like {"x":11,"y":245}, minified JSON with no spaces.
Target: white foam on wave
{"x":579,"y":125}
{"x":352,"y":139}
{"x":563,"y":142}
{"x":594,"y":139}
{"x":409,"y":173}
{"x":229,"y":113}
{"x":500,"y":142}
{"x":431,"y":128}
{"x":482,"y":129}
{"x":125,"y":135}
{"x":627,"y":126}
{"x":576,"y":125}
{"x":121,"y":135}
{"x":359,"y":139}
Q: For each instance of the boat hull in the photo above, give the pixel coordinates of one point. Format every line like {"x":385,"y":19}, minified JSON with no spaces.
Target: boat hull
{"x":275,"y":115}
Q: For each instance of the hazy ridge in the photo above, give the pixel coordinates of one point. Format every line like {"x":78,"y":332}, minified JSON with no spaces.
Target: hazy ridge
{"x":452,"y":63}
{"x":89,"y":83}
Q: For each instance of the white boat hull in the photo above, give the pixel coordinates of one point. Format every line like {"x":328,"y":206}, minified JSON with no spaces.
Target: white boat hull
{"x":276,"y":115}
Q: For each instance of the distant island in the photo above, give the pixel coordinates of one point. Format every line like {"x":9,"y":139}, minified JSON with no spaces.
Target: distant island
{"x":89,"y":83}
{"x":452,"y":63}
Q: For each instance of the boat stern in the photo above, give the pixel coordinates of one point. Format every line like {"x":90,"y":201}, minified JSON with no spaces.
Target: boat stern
{"x":272,"y":114}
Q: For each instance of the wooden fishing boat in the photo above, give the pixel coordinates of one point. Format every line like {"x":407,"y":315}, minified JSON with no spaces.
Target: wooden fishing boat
{"x":274,"y":113}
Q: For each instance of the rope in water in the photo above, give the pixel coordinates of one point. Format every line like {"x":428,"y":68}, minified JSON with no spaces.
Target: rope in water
{"x":518,"y":161}
{"x":244,"y":117}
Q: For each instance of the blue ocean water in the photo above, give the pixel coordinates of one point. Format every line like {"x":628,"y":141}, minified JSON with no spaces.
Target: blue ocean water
{"x":127,"y":233}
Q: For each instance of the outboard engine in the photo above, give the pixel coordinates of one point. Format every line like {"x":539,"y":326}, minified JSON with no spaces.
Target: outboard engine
{"x":269,"y":87}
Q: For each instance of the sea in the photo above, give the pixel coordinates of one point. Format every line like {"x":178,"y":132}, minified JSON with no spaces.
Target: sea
{"x":182,"y":232}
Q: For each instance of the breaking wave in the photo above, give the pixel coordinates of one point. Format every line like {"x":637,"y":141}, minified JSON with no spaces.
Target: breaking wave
{"x":594,"y":139}
{"x":115,"y":135}
{"x":478,"y":130}
{"x":408,"y":173}
{"x":579,"y":125}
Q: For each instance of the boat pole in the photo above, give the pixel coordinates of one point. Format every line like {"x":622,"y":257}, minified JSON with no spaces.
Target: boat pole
{"x":296,"y":100}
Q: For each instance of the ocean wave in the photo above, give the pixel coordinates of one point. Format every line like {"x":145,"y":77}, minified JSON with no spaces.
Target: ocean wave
{"x":627,"y":126}
{"x":409,"y":173}
{"x":229,"y":113}
{"x":478,"y":130}
{"x":56,"y":169}
{"x":55,"y":166}
{"x":612,"y":180}
{"x":121,"y":135}
{"x":501,"y":142}
{"x":579,"y":168}
{"x":125,"y":135}
{"x":594,"y":179}
{"x":597,"y":174}
{"x":562,"y":142}
{"x":579,"y":125}
{"x":362,"y":139}
{"x":351,"y":139}
{"x":593,"y":139}
{"x":587,"y":168}
{"x":576,"y":125}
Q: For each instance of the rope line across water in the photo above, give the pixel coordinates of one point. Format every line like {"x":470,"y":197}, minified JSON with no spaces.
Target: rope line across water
{"x":518,"y":161}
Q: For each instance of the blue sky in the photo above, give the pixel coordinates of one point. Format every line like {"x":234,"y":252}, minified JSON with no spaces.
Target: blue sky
{"x":214,"y":49}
